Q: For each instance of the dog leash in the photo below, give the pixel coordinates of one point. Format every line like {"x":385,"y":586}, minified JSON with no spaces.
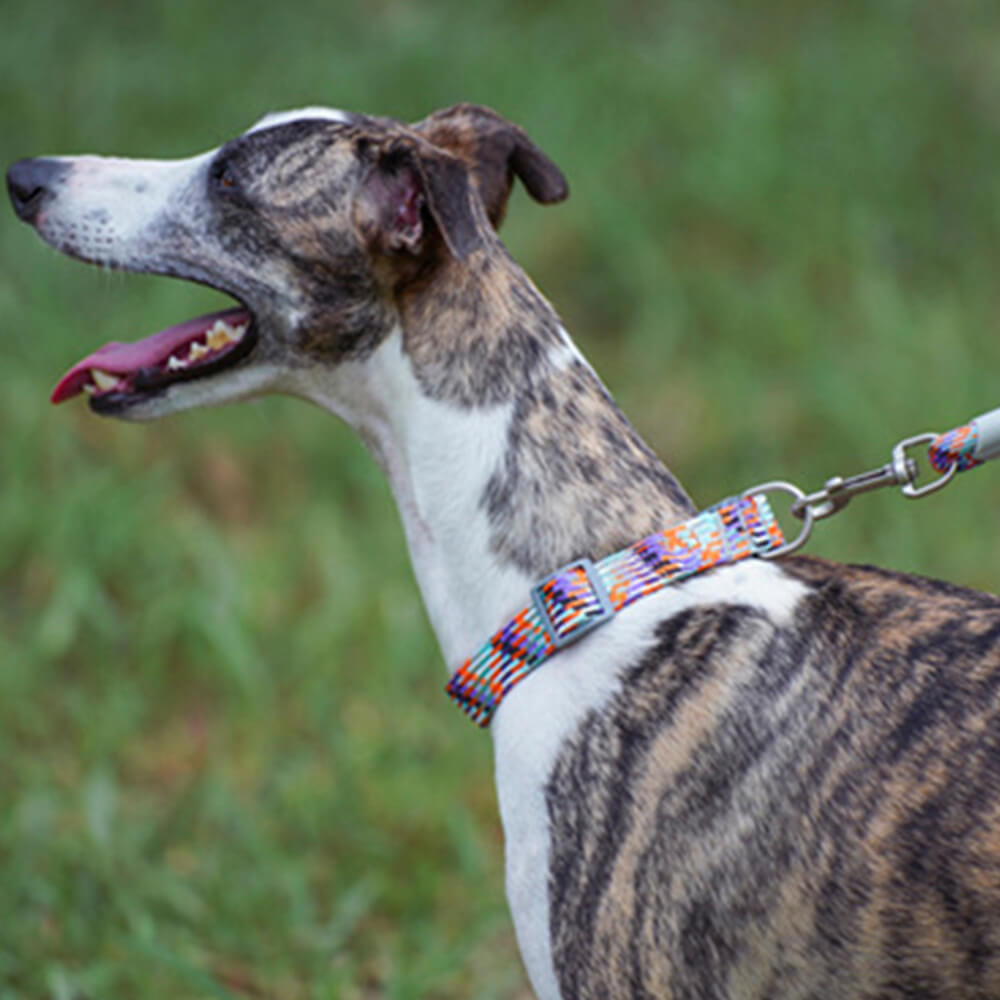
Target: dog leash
{"x":570,"y":603}
{"x":954,"y":451}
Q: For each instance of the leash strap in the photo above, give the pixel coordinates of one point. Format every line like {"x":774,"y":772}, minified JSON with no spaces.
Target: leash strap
{"x":583,"y":595}
{"x":967,"y":446}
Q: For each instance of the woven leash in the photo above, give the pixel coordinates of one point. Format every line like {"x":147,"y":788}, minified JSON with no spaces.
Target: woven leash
{"x":574,"y":600}
{"x":967,"y":446}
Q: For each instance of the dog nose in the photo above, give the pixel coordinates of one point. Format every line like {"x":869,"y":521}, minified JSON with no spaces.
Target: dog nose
{"x":29,"y":183}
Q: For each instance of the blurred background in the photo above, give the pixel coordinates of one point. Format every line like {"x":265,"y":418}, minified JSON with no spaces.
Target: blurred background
{"x":227,"y":768}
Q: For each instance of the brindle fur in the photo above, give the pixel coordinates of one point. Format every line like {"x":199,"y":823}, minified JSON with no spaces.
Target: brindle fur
{"x":494,"y":150}
{"x":811,"y":810}
{"x":806,"y":809}
{"x":577,"y":480}
{"x":296,"y":202}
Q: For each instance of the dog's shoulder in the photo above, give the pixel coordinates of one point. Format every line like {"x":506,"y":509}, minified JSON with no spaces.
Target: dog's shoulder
{"x":889,"y":603}
{"x":873,"y":580}
{"x":850,"y":743}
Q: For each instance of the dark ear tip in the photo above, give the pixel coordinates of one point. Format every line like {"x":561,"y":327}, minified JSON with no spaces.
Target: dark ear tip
{"x":556,"y":189}
{"x":542,"y":179}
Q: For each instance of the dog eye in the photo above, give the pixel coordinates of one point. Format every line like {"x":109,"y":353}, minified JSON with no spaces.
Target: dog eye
{"x":224,"y":177}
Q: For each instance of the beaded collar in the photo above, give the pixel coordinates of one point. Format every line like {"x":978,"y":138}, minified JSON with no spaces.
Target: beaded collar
{"x":583,"y":595}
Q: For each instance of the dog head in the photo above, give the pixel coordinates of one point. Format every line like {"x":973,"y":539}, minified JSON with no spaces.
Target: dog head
{"x":314,"y":221}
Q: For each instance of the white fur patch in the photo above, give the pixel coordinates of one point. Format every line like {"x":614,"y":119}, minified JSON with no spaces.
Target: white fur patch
{"x":566,"y":354}
{"x":109,"y":203}
{"x":275,"y":118}
{"x":228,"y":386}
{"x":537,"y":717}
{"x":438,"y":458}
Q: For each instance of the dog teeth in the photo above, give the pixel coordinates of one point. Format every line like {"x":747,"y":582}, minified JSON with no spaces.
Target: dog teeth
{"x":217,"y":339}
{"x":222,"y":334}
{"x":104,"y":381}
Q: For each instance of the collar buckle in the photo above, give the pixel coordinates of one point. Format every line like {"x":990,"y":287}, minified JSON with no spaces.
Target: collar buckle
{"x":571,"y":602}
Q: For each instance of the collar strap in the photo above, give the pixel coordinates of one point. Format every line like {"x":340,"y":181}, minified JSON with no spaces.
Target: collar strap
{"x":582,"y":595}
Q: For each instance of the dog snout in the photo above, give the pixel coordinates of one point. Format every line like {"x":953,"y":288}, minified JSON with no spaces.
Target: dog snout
{"x":30,"y":184}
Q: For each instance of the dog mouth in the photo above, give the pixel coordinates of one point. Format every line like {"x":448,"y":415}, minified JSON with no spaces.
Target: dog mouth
{"x":119,"y":375}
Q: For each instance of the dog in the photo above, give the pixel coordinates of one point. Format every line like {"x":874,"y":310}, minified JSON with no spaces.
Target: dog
{"x":777,"y":778}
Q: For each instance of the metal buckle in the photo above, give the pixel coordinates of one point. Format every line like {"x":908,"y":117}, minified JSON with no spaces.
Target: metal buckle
{"x":560,"y":640}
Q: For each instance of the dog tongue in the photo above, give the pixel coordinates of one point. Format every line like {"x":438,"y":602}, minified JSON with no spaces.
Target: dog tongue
{"x":122,"y":359}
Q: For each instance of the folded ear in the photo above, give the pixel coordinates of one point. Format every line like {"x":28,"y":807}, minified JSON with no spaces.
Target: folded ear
{"x":407,"y":177}
{"x":495,"y":150}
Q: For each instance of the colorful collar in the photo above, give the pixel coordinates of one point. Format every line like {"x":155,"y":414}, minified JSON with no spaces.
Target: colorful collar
{"x":583,"y":595}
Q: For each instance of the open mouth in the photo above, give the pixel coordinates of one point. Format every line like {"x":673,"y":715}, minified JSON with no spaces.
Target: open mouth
{"x":118,"y":375}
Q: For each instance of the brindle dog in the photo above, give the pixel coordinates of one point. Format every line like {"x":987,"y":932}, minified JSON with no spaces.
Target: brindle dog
{"x":777,"y":779}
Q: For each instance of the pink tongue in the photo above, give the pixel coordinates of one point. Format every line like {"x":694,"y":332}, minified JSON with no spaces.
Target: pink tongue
{"x":122,"y":359}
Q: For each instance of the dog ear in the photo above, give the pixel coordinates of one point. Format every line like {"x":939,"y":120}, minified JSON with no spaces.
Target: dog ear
{"x":409,"y":176}
{"x":495,"y":150}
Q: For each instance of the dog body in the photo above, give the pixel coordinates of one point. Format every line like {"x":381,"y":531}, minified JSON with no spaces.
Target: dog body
{"x":777,"y":779}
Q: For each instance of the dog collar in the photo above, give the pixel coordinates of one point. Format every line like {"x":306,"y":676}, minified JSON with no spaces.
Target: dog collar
{"x":578,"y":598}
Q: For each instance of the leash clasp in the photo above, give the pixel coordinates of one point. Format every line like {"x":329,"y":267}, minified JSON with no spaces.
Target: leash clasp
{"x":910,"y":488}
{"x":839,"y":491}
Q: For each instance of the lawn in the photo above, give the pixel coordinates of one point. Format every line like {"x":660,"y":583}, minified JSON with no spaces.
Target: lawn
{"x":227,"y":768}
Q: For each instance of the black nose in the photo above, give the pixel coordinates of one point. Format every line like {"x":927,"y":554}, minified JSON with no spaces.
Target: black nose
{"x":30,"y":183}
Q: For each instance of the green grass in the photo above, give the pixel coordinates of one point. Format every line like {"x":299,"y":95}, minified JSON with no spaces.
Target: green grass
{"x":226,"y":765}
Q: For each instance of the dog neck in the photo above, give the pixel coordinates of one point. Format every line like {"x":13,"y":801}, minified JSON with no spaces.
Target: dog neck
{"x":506,"y":455}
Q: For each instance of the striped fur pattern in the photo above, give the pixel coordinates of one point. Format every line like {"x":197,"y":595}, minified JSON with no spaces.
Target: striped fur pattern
{"x":801,"y":810}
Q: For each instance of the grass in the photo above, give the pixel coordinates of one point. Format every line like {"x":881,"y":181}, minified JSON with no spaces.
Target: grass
{"x":226,"y":765}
